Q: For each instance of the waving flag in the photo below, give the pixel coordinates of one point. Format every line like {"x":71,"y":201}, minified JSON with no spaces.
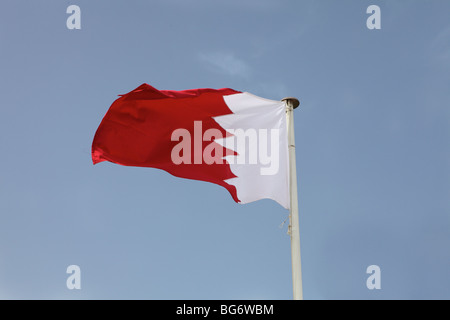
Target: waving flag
{"x":230,"y":138}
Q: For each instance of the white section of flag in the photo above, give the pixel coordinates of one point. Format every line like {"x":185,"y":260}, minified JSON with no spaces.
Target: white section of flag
{"x":254,"y":113}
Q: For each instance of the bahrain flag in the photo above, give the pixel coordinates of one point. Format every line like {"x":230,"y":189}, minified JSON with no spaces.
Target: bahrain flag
{"x":230,"y":138}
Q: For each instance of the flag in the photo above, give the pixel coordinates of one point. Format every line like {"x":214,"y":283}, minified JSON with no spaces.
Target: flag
{"x":231,"y":138}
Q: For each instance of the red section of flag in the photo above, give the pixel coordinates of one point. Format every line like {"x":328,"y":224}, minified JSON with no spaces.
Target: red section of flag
{"x":137,"y":130}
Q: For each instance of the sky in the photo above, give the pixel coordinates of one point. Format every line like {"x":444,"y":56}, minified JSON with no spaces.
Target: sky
{"x":372,"y":145}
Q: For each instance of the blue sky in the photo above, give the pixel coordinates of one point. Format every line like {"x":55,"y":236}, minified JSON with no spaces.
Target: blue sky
{"x":372,"y":139}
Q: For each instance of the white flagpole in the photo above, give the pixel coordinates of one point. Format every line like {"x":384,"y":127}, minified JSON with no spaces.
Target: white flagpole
{"x":294,"y":232}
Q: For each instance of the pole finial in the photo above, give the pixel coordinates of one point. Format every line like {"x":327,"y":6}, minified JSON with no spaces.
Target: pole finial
{"x":293,"y":101}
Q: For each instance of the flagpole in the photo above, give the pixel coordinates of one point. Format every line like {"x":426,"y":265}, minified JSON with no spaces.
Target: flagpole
{"x":294,"y":231}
